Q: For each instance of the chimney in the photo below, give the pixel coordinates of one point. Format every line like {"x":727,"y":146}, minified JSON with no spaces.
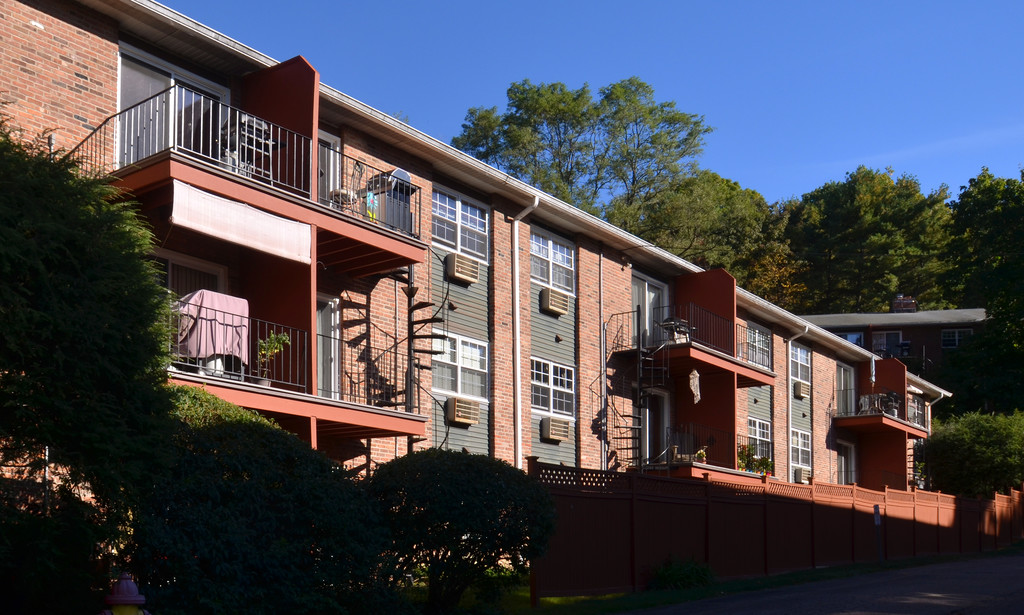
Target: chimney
{"x":902,"y":304}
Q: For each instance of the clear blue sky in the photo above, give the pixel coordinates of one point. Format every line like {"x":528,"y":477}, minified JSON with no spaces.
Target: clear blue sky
{"x":799,"y":93}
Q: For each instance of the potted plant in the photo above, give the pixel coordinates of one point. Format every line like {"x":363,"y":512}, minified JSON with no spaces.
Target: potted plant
{"x":745,"y":458}
{"x":701,"y":455}
{"x":267,"y":349}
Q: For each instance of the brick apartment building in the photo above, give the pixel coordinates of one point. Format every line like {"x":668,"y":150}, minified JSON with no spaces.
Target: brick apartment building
{"x":376,"y":291}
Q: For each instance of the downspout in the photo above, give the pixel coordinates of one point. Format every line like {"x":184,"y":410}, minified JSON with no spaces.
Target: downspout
{"x":517,"y":409}
{"x":604,"y":365}
{"x":789,"y":398}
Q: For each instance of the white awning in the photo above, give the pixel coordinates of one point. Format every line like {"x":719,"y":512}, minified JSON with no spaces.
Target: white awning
{"x":239,"y":223}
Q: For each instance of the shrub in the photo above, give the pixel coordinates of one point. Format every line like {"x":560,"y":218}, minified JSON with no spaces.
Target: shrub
{"x":459,"y":516}
{"x":676,"y":574}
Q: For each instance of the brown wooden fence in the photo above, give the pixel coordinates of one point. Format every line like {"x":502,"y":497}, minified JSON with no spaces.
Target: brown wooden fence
{"x":615,"y":529}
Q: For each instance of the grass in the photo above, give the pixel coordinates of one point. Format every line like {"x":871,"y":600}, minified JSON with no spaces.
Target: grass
{"x":517,"y":601}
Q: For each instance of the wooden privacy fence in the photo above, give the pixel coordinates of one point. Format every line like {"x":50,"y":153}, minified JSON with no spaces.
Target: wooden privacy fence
{"x":615,"y":529}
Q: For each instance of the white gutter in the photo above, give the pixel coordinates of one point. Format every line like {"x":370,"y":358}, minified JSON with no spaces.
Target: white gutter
{"x":517,"y":375}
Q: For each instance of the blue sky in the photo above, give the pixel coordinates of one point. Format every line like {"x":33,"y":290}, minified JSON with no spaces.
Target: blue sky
{"x":799,"y":93}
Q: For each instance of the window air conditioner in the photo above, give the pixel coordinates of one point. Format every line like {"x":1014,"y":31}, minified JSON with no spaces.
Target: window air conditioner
{"x":462,"y":411}
{"x":461,"y":268}
{"x":554,"y":429}
{"x":554,"y":302}
{"x":801,"y":475}
{"x":801,"y":389}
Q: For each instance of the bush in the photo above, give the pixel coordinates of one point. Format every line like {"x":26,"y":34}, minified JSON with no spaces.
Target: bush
{"x":459,"y":516}
{"x":251,"y":520}
{"x":676,"y":574}
{"x":975,"y":455}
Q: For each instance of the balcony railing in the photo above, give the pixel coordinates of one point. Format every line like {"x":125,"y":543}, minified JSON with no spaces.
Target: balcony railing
{"x":676,"y":324}
{"x":884,"y":403}
{"x":386,"y":198}
{"x":220,"y":344}
{"x":687,"y":440}
{"x":754,"y":346}
{"x":361,"y":374}
{"x":187,"y":122}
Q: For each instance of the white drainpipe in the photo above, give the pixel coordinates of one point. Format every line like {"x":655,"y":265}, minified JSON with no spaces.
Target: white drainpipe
{"x":517,"y":376}
{"x":789,"y":397}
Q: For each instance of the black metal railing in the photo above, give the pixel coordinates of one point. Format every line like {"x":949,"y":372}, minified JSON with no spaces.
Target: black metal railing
{"x":219,"y":344}
{"x":387,"y":198}
{"x":754,"y":346}
{"x":190,"y":123}
{"x":754,"y":455}
{"x":701,"y":443}
{"x":674,"y":324}
{"x":361,"y":373}
{"x":884,"y":402}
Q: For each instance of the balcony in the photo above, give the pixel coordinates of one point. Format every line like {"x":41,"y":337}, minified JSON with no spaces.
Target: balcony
{"x":690,"y":442}
{"x":202,"y":128}
{"x":229,"y":346}
{"x":385,"y":198}
{"x":876,"y":408}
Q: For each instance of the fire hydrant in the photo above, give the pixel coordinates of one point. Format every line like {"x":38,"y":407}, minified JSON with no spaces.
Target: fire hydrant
{"x":124,"y":598}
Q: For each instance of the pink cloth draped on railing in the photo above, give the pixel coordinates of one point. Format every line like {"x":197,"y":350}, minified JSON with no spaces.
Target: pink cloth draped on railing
{"x":212,"y":323}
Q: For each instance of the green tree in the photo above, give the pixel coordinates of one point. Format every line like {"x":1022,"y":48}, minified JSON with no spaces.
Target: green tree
{"x":706,"y":219}
{"x":82,"y":364}
{"x":975,"y":455}
{"x":769,"y":269}
{"x":988,"y":272}
{"x":625,"y":145}
{"x":868,"y":238}
{"x":250,"y":519}
{"x":458,"y":516}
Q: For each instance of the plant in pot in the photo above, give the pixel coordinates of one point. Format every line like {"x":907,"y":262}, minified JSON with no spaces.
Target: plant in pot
{"x":701,"y":455}
{"x":268,"y":348}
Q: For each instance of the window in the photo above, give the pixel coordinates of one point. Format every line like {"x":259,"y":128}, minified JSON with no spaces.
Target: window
{"x":462,"y":366}
{"x":183,"y":274}
{"x":650,"y":297}
{"x":759,"y":434}
{"x":846,"y":393}
{"x":800,"y":363}
{"x":853,"y":338}
{"x":460,"y":225}
{"x":552,"y":388}
{"x":800,"y":448}
{"x":845,"y":465}
{"x":552,"y":262}
{"x":954,"y":338}
{"x":759,"y":346}
{"x":886,"y":341}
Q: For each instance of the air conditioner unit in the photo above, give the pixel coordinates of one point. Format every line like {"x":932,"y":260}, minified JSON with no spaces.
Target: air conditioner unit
{"x":801,"y":475}
{"x":554,"y":302}
{"x":461,"y":268}
{"x":801,"y":389}
{"x":554,"y":429}
{"x":462,"y":411}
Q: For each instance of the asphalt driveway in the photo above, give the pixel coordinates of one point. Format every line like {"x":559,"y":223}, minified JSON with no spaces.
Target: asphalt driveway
{"x":986,"y":585}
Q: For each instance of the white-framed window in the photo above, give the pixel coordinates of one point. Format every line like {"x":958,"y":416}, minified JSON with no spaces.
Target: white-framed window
{"x":460,"y":224}
{"x":552,"y":388}
{"x":846,"y":390}
{"x":759,"y":345}
{"x":651,"y":297}
{"x":846,"y":463}
{"x":461,"y":368}
{"x":954,"y":338}
{"x":800,"y":448}
{"x":552,"y":261}
{"x":800,"y":363}
{"x":142,"y":75}
{"x":183,"y":274}
{"x":759,"y":434}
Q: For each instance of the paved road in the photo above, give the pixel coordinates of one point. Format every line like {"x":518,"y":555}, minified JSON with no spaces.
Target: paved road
{"x":986,"y":585}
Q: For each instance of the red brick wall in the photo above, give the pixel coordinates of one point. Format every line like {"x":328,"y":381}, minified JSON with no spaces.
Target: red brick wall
{"x":58,"y":68}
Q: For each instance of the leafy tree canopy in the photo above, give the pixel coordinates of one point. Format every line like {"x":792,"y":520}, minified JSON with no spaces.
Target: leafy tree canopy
{"x":622,"y":146}
{"x":458,"y":516}
{"x":865,"y":239}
